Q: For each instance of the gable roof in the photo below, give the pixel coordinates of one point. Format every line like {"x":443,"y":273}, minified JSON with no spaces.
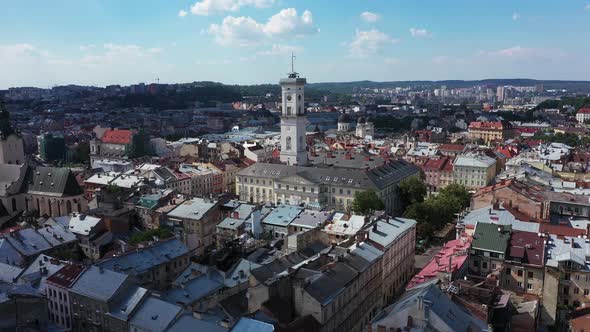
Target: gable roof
{"x":52,"y":181}
{"x":117,"y":136}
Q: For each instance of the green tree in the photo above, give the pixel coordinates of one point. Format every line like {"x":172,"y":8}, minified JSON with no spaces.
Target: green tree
{"x":160,"y":233}
{"x":366,"y":202}
{"x":458,"y":192}
{"x":435,"y":212}
{"x":412,"y":190}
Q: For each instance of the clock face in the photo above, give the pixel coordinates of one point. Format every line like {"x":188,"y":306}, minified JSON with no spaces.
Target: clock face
{"x":289,"y":97}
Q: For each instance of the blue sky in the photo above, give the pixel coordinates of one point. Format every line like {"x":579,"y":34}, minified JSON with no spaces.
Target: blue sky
{"x":44,"y":43}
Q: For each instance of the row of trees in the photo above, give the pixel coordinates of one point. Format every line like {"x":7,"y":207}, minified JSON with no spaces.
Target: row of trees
{"x":570,"y":139}
{"x":431,"y":213}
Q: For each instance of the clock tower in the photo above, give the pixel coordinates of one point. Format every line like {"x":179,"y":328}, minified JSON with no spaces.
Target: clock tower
{"x":293,"y":119}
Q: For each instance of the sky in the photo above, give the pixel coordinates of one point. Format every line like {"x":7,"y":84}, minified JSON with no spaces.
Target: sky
{"x":102,"y":42}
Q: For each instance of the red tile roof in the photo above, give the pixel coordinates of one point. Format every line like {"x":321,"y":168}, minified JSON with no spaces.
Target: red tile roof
{"x":117,"y":136}
{"x":527,"y":247}
{"x":561,"y":231}
{"x":435,"y":164}
{"x":585,"y":110}
{"x":488,"y":125}
{"x":452,"y":147}
{"x":66,"y":276}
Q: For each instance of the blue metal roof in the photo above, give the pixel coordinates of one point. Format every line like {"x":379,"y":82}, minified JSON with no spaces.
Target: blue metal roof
{"x":282,"y":215}
{"x":142,"y":260}
{"x":246,"y":324}
{"x":99,"y":284}
{"x":155,"y":315}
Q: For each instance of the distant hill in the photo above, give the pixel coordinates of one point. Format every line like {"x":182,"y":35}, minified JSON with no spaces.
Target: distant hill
{"x":347,"y":87}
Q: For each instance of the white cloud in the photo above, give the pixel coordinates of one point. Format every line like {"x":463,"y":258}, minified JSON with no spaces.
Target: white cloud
{"x":587,"y":7}
{"x":370,"y":17}
{"x":182,"y":13}
{"x":369,"y":42}
{"x":27,"y":64}
{"x":244,"y":31}
{"x":211,"y":7}
{"x":419,"y":33}
{"x":86,"y":48}
{"x":519,"y":52}
{"x":281,"y":49}
{"x":515,"y":16}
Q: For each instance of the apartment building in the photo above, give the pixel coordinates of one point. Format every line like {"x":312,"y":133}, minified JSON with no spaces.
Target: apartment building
{"x":474,"y":171}
{"x":57,"y":288}
{"x":488,"y":249}
{"x":490,"y":131}
{"x":196,"y":220}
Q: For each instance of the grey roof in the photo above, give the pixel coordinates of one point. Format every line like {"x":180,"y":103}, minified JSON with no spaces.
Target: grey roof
{"x":333,"y":281}
{"x":282,"y":215}
{"x":28,"y":242}
{"x":127,"y":301}
{"x":474,"y":161}
{"x":231,"y":223}
{"x":499,"y":216}
{"x":246,"y":324}
{"x":387,"y":231}
{"x":191,"y":272}
{"x":354,"y":177}
{"x":9,"y":273}
{"x":276,"y":266}
{"x":194,"y":208}
{"x":99,"y":284}
{"x":32,"y":274}
{"x":52,"y":181}
{"x":187,"y":323}
{"x":11,"y":178}
{"x":449,"y":315}
{"x":195,"y":289}
{"x":310,"y":219}
{"x":57,"y":235}
{"x":9,"y":255}
{"x":155,"y":315}
{"x":568,"y":249}
{"x":366,"y":251}
{"x":144,"y":259}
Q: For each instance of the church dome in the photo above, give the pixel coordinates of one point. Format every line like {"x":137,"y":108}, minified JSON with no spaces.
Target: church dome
{"x":343,"y":118}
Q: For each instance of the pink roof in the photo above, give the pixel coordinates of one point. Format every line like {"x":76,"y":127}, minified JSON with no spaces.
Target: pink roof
{"x":585,"y":110}
{"x":457,"y":250}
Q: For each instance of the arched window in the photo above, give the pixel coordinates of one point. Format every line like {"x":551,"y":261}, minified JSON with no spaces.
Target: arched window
{"x":288,"y":143}
{"x":13,"y":204}
{"x":68,"y":207}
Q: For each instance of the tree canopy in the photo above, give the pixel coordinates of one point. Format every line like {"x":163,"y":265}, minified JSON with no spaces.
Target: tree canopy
{"x":412,"y":190}
{"x":160,"y":233}
{"x":366,"y":202}
{"x":436,"y":211}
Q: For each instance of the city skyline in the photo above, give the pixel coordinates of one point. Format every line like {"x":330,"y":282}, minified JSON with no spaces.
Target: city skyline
{"x":250,"y":41}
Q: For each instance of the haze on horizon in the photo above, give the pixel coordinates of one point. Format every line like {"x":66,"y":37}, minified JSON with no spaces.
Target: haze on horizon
{"x":250,"y":41}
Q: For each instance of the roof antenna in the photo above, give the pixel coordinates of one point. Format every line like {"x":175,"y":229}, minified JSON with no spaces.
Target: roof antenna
{"x":292,"y":74}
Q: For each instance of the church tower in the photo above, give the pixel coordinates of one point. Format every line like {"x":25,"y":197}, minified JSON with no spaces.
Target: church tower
{"x":293,"y":119}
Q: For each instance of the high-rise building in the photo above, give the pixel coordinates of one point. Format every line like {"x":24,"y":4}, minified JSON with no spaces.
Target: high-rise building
{"x":500,"y":93}
{"x":293,"y":121}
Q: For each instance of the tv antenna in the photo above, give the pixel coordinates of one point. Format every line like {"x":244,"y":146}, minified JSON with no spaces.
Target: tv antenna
{"x":292,"y":74}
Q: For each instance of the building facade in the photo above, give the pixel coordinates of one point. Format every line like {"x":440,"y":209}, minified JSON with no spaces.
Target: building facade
{"x":293,"y":121}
